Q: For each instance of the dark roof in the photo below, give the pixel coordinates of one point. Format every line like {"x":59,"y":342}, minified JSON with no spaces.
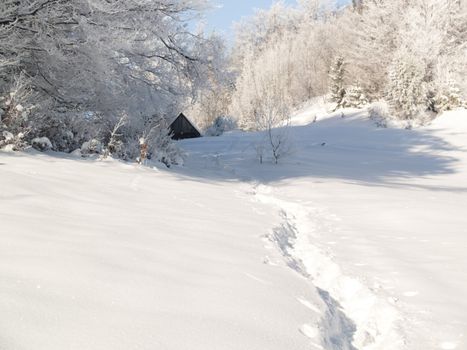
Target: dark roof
{"x":183,"y":128}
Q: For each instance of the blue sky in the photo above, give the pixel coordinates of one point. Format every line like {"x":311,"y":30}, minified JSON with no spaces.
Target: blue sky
{"x":229,"y":11}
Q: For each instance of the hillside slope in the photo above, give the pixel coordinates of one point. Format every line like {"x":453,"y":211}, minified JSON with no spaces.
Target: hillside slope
{"x":106,"y":255}
{"x":356,"y":240}
{"x":375,"y":217}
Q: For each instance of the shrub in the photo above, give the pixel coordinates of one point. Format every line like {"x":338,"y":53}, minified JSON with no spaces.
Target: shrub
{"x":220,"y":125}
{"x":407,"y":92}
{"x":379,"y":113}
{"x":41,"y":144}
{"x":91,"y":147}
{"x":448,"y":98}
{"x":354,"y":97}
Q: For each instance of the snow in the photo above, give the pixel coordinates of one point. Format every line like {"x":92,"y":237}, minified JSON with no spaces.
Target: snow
{"x":8,"y":136}
{"x":375,"y":218}
{"x":355,"y":241}
{"x":106,"y":255}
{"x":41,"y":143}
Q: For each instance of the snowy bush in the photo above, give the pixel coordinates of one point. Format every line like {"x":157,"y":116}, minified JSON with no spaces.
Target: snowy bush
{"x":379,"y":113}
{"x":160,"y":146}
{"x":115,"y":145}
{"x":336,"y":75}
{"x":13,"y":142}
{"x":164,"y":150}
{"x":91,"y":147}
{"x":58,"y":130}
{"x":382,"y":116}
{"x":41,"y":144}
{"x":273,"y":120}
{"x":64,"y":141}
{"x":448,"y":98}
{"x":221,"y":124}
{"x":354,"y":97}
{"x":7,"y":136}
{"x":130,"y":150}
{"x":15,"y":116}
{"x":407,"y":90}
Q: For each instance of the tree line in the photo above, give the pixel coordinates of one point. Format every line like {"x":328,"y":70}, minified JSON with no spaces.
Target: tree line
{"x":106,"y":77}
{"x":410,"y":55}
{"x":97,"y":72}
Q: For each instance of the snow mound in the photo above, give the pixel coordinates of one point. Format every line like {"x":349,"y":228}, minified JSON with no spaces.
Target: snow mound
{"x":316,"y":109}
{"x":41,"y":144}
{"x":454,"y":120}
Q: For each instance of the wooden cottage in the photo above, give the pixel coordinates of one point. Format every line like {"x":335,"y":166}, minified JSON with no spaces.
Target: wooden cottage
{"x":182,"y":128}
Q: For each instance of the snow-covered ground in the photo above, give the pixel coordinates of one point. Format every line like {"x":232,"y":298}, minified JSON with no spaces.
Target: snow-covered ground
{"x":376,"y":218}
{"x":105,"y":255}
{"x":356,"y":240}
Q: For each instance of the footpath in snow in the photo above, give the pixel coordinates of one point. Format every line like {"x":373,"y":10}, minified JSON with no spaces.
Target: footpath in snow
{"x":373,"y":217}
{"x":108,"y":255}
{"x":355,"y":241}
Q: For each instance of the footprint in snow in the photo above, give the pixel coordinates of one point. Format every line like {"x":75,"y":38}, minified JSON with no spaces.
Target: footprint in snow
{"x":134,"y":185}
{"x":267,"y":243}
{"x":257,"y":279}
{"x":309,"y":331}
{"x":309,"y":305}
{"x":267,"y":261}
{"x":258,"y":211}
{"x":360,"y":264}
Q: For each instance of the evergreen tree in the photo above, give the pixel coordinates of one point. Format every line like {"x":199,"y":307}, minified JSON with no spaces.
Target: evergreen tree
{"x":449,"y":98}
{"x":337,"y":75}
{"x":355,"y":97}
{"x":406,"y":88}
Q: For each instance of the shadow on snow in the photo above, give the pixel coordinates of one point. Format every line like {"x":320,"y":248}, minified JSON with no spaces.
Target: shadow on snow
{"x":347,"y":149}
{"x":344,"y":149}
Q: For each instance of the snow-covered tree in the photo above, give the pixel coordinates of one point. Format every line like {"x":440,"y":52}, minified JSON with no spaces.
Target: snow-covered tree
{"x":407,"y":88}
{"x":88,"y":62}
{"x":213,"y":99}
{"x":272,"y":117}
{"x":220,"y":125}
{"x":337,"y":75}
{"x":161,"y":147}
{"x":369,"y":37}
{"x":115,"y":144}
{"x":293,"y":45}
{"x":354,"y":97}
{"x":433,"y":31}
{"x":449,"y":98}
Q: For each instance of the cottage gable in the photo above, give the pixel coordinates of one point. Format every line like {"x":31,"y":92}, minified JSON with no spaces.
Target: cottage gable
{"x":182,"y":128}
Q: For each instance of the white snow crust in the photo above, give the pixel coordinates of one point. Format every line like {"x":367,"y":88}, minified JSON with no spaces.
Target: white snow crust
{"x":355,"y":241}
